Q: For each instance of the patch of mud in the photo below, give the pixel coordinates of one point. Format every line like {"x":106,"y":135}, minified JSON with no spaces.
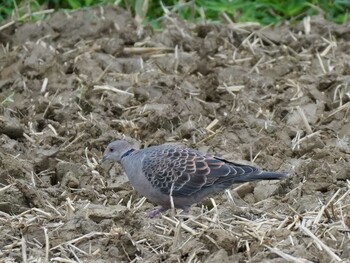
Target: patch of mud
{"x":276,"y":96}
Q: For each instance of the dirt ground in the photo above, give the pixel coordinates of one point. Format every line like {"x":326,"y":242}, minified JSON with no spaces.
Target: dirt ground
{"x":275,"y":96}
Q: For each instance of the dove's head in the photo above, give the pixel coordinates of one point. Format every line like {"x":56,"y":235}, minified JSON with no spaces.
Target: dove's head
{"x":116,"y":150}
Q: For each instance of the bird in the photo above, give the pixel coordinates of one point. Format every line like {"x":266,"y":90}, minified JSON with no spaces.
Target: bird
{"x":172,"y":176}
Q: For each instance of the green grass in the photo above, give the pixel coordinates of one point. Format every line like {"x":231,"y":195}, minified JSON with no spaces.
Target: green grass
{"x":8,"y":100}
{"x":262,"y":11}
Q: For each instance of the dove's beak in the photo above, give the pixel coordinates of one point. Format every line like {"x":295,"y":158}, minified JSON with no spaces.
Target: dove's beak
{"x":104,"y":158}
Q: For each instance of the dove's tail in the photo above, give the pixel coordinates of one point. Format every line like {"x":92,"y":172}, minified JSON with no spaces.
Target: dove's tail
{"x":260,"y":176}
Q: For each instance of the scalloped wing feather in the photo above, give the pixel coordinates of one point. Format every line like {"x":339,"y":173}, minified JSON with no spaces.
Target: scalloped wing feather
{"x":183,"y":172}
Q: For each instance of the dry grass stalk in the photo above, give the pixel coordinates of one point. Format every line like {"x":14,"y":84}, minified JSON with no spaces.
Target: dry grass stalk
{"x":113,"y":89}
{"x":46,"y":214}
{"x":323,"y":209}
{"x":321,"y":63}
{"x":78,"y":239}
{"x":233,"y":88}
{"x":344,"y":195}
{"x":47,"y":245}
{"x":140,"y":203}
{"x":320,"y":244}
{"x":98,"y":79}
{"x":183,"y":226}
{"x":248,"y":251}
{"x":52,"y":129}
{"x":204,"y":226}
{"x":209,"y":137}
{"x":307,"y":25}
{"x":146,"y":50}
{"x":29,"y":138}
{"x":172,"y":200}
{"x":6,"y":187}
{"x":69,"y":208}
{"x":25,"y":16}
{"x":297,"y":140}
{"x":345,"y":106}
{"x":44,"y":85}
{"x":72,"y":142}
{"x":215,"y":209}
{"x":88,"y":162}
{"x":255,"y":67}
{"x":331,"y":45}
{"x":64,"y":260}
{"x":338,"y":91}
{"x":50,"y":102}
{"x":286,"y":256}
{"x":24,"y":250}
{"x":176,"y":58}
{"x":212,"y":125}
{"x":304,"y":119}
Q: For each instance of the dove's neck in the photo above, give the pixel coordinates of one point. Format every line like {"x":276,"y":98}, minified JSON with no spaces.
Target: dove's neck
{"x":132,"y":165}
{"x":127,"y":153}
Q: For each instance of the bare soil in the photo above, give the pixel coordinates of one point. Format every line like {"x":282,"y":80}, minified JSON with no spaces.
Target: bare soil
{"x":275,"y":96}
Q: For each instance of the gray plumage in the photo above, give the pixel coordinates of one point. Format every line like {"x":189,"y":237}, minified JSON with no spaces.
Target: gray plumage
{"x":186,"y":174}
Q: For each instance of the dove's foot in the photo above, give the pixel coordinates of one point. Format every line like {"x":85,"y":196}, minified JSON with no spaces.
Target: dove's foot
{"x":156,"y":211}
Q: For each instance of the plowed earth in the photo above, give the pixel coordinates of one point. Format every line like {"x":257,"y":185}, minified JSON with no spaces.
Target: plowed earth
{"x":277,"y":96}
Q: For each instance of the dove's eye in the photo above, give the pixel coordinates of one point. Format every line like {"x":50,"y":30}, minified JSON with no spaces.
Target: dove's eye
{"x":111,"y":150}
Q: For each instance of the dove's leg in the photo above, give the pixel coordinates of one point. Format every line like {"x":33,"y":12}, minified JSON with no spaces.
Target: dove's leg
{"x":156,"y":211}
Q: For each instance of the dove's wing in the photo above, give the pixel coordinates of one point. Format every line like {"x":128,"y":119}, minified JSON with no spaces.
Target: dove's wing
{"x":183,"y":172}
